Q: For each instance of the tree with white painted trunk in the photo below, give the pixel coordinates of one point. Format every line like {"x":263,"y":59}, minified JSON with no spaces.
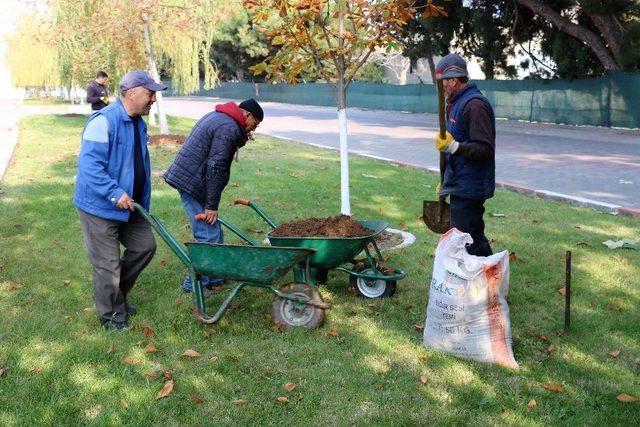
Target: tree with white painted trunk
{"x":329,"y":40}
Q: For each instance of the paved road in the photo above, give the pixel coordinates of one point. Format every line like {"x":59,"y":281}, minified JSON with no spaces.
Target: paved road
{"x":589,"y":165}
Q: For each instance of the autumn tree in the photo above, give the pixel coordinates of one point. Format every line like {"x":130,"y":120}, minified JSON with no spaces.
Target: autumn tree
{"x":329,"y":40}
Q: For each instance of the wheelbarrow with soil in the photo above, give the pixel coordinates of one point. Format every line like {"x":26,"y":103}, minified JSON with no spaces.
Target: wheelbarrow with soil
{"x":296,"y":304}
{"x":370,"y":277}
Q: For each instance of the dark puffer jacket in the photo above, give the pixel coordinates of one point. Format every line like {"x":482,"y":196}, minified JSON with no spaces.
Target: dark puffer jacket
{"x":203,"y":165}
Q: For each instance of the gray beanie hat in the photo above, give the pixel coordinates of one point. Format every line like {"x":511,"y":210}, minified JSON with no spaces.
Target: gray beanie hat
{"x":450,"y":66}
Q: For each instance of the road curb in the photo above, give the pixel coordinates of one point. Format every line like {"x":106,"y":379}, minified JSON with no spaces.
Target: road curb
{"x":518,"y":188}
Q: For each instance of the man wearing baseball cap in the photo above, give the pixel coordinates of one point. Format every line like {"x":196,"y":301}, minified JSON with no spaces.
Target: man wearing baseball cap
{"x":114,"y":170}
{"x":469,"y":145}
{"x":202,"y":168}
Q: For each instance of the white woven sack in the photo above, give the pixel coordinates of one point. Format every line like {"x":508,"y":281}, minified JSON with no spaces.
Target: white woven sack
{"x":467,"y":315}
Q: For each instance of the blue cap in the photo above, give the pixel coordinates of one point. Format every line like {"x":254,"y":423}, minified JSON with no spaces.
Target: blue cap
{"x":137,"y":78}
{"x":450,"y":66}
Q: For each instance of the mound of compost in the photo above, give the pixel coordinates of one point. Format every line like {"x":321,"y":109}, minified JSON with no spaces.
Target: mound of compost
{"x":333,"y":226}
{"x":166,"y":139}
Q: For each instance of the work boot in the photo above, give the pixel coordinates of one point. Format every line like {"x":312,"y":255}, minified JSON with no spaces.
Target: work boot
{"x":113,"y":326}
{"x":131,"y":308}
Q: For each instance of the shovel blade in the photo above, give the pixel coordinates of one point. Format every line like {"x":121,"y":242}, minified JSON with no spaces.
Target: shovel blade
{"x":436,"y":215}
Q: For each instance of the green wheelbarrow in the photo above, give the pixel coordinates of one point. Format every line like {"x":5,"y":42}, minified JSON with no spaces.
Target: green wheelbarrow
{"x":296,"y":304}
{"x":370,"y":278}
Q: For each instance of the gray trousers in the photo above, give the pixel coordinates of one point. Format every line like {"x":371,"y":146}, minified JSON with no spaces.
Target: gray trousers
{"x":113,"y":274}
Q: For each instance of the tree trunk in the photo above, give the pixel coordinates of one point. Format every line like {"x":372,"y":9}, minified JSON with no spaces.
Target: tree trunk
{"x":566,"y":26}
{"x":164,"y":127}
{"x":612,"y":32}
{"x":345,"y":208}
{"x":432,"y":68}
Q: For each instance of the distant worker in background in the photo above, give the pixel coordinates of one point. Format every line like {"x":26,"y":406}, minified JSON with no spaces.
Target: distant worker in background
{"x":97,"y":94}
{"x":470,"y":145}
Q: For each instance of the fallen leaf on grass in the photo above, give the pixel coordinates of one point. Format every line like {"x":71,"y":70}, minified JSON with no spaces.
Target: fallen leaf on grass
{"x":150,"y":349}
{"x":408,"y":307}
{"x":10,"y":287}
{"x":177,"y":302}
{"x":551,"y":347}
{"x":424,"y":379}
{"x":543,"y":337}
{"x":238,"y":402}
{"x":166,"y":390}
{"x":626,"y":398}
{"x":282,"y":399}
{"x":290,"y":386}
{"x":154,"y":374}
{"x":124,"y":403}
{"x":614,"y":353}
{"x":2,"y":371}
{"x":423,"y":357}
{"x":130,"y":361}
{"x":168,"y":374}
{"x":111,"y":348}
{"x":66,"y":282}
{"x":532,"y":404}
{"x":562,"y":290}
{"x":333,"y":332}
{"x":418,"y":327}
{"x":552,"y":387}
{"x":512,"y":257}
{"x":196,"y":399}
{"x":191,"y":353}
{"x":148,"y":332}
{"x":36,"y":368}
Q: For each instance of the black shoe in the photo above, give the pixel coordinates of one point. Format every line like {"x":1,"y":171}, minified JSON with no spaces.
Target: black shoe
{"x":113,"y":326}
{"x":130,"y":308}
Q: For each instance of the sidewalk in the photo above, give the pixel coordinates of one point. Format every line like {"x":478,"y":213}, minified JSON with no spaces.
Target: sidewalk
{"x":9,"y":116}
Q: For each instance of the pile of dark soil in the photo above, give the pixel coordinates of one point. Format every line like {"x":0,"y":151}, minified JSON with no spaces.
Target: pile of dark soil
{"x":166,"y":139}
{"x":333,"y":226}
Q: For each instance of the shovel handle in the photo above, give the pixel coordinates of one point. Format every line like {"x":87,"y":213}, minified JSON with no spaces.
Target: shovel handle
{"x":441,"y":110}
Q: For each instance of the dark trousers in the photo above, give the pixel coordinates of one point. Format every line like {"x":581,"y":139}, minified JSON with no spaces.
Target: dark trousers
{"x":466,"y":216}
{"x":113,"y":274}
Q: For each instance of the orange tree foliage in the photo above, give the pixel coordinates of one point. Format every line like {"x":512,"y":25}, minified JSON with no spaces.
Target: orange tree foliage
{"x":328,"y":39}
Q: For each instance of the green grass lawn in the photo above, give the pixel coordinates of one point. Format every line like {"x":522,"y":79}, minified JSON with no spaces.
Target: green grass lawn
{"x":64,"y":369}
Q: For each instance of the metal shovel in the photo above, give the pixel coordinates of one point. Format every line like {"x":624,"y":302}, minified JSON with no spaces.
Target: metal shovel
{"x":436,"y":214}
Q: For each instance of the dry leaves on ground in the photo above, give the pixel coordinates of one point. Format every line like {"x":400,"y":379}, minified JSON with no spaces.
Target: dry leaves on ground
{"x":333,"y":332}
{"x":66,"y":282}
{"x":552,"y":387}
{"x":562,"y":291}
{"x":130,"y":361}
{"x":551,"y":347}
{"x":626,"y":398}
{"x":197,"y":399}
{"x":10,"y":287}
{"x":543,"y":337}
{"x":614,"y":353}
{"x":532,"y":404}
{"x":150,"y":349}
{"x":2,"y":371}
{"x":111,"y":348}
{"x":238,"y":402}
{"x":418,"y":327}
{"x":282,"y":399}
{"x":191,"y":353}
{"x":167,"y":389}
{"x":424,"y":378}
{"x":290,"y":386}
{"x":36,"y":368}
{"x":148,"y":332}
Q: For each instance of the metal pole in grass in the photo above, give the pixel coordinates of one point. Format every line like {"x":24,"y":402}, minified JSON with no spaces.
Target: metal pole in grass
{"x":567,"y":293}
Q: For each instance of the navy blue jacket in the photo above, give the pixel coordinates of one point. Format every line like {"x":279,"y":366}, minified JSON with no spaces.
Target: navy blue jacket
{"x":203,"y":165}
{"x":468,"y":176}
{"x":105,"y":163}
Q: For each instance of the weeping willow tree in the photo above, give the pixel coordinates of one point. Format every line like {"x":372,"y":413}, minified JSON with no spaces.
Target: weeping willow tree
{"x":120,"y":35}
{"x":32,"y":55}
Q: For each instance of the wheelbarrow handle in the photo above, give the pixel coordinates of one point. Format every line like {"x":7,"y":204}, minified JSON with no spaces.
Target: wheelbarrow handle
{"x":257,"y":209}
{"x":241,"y":202}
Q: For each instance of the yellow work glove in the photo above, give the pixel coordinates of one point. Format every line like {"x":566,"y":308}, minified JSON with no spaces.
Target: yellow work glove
{"x":105,"y":99}
{"x":446,"y":144}
{"x":438,"y":188}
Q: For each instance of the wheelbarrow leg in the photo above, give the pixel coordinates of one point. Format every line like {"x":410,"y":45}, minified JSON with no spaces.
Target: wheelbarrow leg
{"x":201,"y":313}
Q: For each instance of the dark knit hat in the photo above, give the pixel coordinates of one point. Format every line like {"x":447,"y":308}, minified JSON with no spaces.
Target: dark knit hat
{"x":252,"y":106}
{"x":450,"y":66}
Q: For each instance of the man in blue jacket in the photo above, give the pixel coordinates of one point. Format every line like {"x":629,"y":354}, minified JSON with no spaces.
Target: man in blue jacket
{"x":114,"y":170}
{"x":469,"y":145}
{"x":202,"y":168}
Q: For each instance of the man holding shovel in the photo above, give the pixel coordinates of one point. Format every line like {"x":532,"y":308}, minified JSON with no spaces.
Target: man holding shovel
{"x":202,"y":168}
{"x":469,"y":147}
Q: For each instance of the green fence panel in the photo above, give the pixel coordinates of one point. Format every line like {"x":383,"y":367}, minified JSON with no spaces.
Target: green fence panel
{"x":611,"y":100}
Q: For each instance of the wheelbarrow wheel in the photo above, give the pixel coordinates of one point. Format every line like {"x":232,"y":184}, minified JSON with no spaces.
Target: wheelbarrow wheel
{"x":372,"y":288}
{"x":289,"y":314}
